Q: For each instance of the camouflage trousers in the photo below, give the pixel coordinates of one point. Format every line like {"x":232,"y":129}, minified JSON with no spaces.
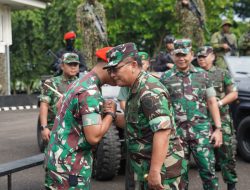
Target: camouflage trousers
{"x":91,"y":43}
{"x":203,"y":153}
{"x":196,"y":33}
{"x":174,"y":183}
{"x":59,"y":181}
{"x":169,"y":184}
{"x":226,"y":159}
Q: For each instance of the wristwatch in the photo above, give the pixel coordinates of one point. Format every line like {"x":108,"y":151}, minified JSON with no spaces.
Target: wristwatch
{"x":218,"y":127}
{"x":112,"y":114}
{"x":220,"y":103}
{"x":42,"y":127}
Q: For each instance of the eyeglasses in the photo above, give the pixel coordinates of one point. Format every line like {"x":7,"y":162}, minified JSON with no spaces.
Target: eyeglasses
{"x":116,"y":69}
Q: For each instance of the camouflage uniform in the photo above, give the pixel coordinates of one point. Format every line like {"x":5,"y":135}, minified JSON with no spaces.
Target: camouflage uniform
{"x":148,"y":109}
{"x":222,"y":83}
{"x":59,"y":83}
{"x":217,"y":41}
{"x":68,"y":158}
{"x":244,"y":44}
{"x":189,"y":92}
{"x":189,"y":22}
{"x":90,"y":35}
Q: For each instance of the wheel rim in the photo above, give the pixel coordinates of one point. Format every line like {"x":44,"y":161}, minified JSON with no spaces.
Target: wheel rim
{"x":246,"y":140}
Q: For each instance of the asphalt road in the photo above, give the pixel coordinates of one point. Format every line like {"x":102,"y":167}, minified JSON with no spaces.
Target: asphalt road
{"x":18,"y":140}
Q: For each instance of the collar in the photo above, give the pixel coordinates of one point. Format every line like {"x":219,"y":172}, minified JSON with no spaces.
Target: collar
{"x":192,"y":69}
{"x":213,"y":68}
{"x":135,"y":86}
{"x":96,"y":79}
{"x":70,"y":79}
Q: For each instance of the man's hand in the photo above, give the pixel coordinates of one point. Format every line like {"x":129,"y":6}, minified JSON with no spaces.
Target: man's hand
{"x":154,"y":180}
{"x":226,"y":47}
{"x":45,"y":134}
{"x":170,"y":65}
{"x":109,"y":106}
{"x":217,"y":138}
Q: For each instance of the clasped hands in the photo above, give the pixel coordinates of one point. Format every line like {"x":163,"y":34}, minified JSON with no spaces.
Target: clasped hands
{"x":109,"y":106}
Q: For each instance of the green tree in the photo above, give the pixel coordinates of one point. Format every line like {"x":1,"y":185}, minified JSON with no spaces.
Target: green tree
{"x":144,"y":22}
{"x":26,"y":59}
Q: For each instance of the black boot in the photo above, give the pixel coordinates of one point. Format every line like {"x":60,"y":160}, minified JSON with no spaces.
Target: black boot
{"x":231,"y":186}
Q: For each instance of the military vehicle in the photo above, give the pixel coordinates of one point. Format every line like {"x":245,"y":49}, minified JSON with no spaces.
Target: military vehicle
{"x":239,"y":67}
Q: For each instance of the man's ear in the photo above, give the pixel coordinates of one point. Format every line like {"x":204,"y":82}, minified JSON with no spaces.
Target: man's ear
{"x":134,"y":64}
{"x":62,"y":66}
{"x":213,"y":56}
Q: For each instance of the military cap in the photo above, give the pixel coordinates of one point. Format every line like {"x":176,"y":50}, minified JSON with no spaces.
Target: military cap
{"x":70,"y":58}
{"x":143,"y":55}
{"x":69,"y":35}
{"x":226,"y":21}
{"x":101,"y":53}
{"x":204,"y":51}
{"x":120,"y":52}
{"x":182,"y":46}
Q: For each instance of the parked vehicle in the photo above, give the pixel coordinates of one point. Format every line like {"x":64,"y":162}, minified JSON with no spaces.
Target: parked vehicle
{"x":239,"y":67}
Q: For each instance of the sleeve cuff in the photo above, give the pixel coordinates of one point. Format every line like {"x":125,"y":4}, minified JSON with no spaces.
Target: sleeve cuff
{"x":91,"y":119}
{"x":161,"y":122}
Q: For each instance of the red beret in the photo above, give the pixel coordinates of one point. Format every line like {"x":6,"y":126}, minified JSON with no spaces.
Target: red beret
{"x":101,"y":53}
{"x":69,"y":35}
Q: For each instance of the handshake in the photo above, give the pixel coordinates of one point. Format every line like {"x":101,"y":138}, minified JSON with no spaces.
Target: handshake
{"x":109,"y":108}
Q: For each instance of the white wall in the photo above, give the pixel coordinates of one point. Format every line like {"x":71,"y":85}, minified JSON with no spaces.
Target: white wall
{"x":5,"y":28}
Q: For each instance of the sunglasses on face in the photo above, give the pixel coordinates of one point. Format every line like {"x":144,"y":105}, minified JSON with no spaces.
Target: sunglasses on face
{"x":116,"y":69}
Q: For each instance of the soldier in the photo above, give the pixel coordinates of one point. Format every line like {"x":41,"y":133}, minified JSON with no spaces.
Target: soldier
{"x":155,"y":155}
{"x":91,"y":21}
{"x":191,"y":14}
{"x":49,"y":98}
{"x":79,"y":125}
{"x":124,"y":91}
{"x":69,"y":39}
{"x":224,"y":43}
{"x":226,"y":93}
{"x":164,"y":60}
{"x":244,"y":43}
{"x":192,"y":94}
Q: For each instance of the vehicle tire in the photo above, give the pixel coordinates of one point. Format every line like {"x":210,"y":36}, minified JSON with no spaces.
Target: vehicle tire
{"x":243,"y":138}
{"x":107,"y":156}
{"x":40,"y":142}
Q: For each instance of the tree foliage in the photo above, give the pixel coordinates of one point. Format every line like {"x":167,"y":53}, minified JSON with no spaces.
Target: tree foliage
{"x":144,"y":22}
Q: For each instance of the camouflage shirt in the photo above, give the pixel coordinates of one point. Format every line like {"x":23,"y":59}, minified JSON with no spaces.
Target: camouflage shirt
{"x":189,"y":93}
{"x":86,"y":19}
{"x":149,"y":110}
{"x":68,"y":150}
{"x":59,"y":83}
{"x":244,"y":44}
{"x":217,"y":41}
{"x":223,"y":84}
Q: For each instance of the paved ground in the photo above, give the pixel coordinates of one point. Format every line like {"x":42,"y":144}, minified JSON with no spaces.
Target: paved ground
{"x":18,"y":140}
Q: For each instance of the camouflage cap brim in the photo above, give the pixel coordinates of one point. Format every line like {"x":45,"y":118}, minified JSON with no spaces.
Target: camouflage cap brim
{"x":204,"y":51}
{"x":70,"y":58}
{"x":119,"y":53}
{"x":182,"y":46}
{"x":182,"y":51}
